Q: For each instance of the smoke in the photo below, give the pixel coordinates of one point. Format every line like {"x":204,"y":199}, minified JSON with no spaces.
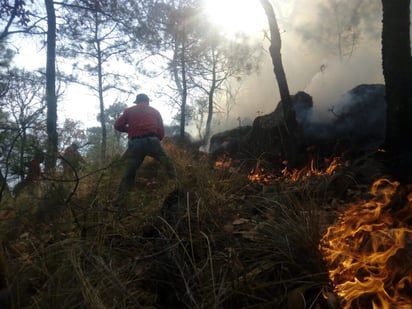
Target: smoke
{"x":336,"y":78}
{"x":311,"y":66}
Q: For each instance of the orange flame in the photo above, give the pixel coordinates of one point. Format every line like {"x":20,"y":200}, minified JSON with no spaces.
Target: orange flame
{"x":368,"y":251}
{"x":259,"y":174}
{"x":223,"y":162}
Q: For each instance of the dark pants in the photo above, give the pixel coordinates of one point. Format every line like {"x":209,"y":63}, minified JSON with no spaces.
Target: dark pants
{"x":137,"y":150}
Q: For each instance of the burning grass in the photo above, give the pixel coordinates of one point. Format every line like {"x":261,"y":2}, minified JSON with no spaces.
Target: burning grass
{"x":368,"y":251}
{"x":213,"y":240}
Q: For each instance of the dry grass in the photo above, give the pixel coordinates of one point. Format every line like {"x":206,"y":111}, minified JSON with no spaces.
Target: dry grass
{"x":213,"y":240}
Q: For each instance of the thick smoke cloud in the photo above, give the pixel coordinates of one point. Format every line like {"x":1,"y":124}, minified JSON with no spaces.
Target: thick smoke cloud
{"x":311,"y":66}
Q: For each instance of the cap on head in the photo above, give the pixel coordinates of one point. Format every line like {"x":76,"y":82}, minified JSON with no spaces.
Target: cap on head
{"x":142,"y":98}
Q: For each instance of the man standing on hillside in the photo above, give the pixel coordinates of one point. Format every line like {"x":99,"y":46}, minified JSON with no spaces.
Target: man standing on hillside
{"x":72,"y":160}
{"x":144,"y":127}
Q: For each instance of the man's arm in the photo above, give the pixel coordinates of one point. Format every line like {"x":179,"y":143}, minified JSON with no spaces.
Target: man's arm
{"x":160,"y":127}
{"x":121,"y":123}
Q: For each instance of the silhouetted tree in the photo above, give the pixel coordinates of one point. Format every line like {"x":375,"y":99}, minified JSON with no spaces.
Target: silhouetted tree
{"x":397,"y":70}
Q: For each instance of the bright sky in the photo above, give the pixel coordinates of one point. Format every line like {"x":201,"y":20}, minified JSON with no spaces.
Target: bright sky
{"x":237,"y":15}
{"x":246,"y":16}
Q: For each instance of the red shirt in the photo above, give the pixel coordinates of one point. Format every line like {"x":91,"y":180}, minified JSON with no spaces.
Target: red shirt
{"x":139,"y":120}
{"x":34,"y":172}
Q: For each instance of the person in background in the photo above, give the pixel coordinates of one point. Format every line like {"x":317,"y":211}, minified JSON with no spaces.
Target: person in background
{"x":144,"y":127}
{"x":31,"y":183}
{"x":34,"y":173}
{"x":72,"y":160}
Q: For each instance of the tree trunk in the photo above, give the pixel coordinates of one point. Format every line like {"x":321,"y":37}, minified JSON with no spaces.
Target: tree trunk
{"x":22,"y":146}
{"x":292,"y":136}
{"x":183,"y":94}
{"x":51,"y":99}
{"x":211,"y":95}
{"x":4,"y":187}
{"x":103,"y":148}
{"x":275,"y":47}
{"x":99,"y":55}
{"x":397,"y":71}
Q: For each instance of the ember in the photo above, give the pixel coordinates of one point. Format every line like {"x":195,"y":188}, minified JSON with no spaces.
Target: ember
{"x":368,"y":251}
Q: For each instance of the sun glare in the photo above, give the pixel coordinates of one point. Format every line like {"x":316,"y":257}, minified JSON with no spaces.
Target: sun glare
{"x":234,"y":16}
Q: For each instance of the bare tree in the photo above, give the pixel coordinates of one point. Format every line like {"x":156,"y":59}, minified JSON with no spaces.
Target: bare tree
{"x":275,"y":53}
{"x":179,"y":23}
{"x":218,"y":61}
{"x":95,"y":38}
{"x":51,"y":97}
{"x":293,"y":134}
{"x":178,"y":66}
{"x":22,"y":124}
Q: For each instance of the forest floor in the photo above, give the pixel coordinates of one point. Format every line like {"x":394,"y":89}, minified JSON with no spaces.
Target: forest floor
{"x":336,"y":233}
